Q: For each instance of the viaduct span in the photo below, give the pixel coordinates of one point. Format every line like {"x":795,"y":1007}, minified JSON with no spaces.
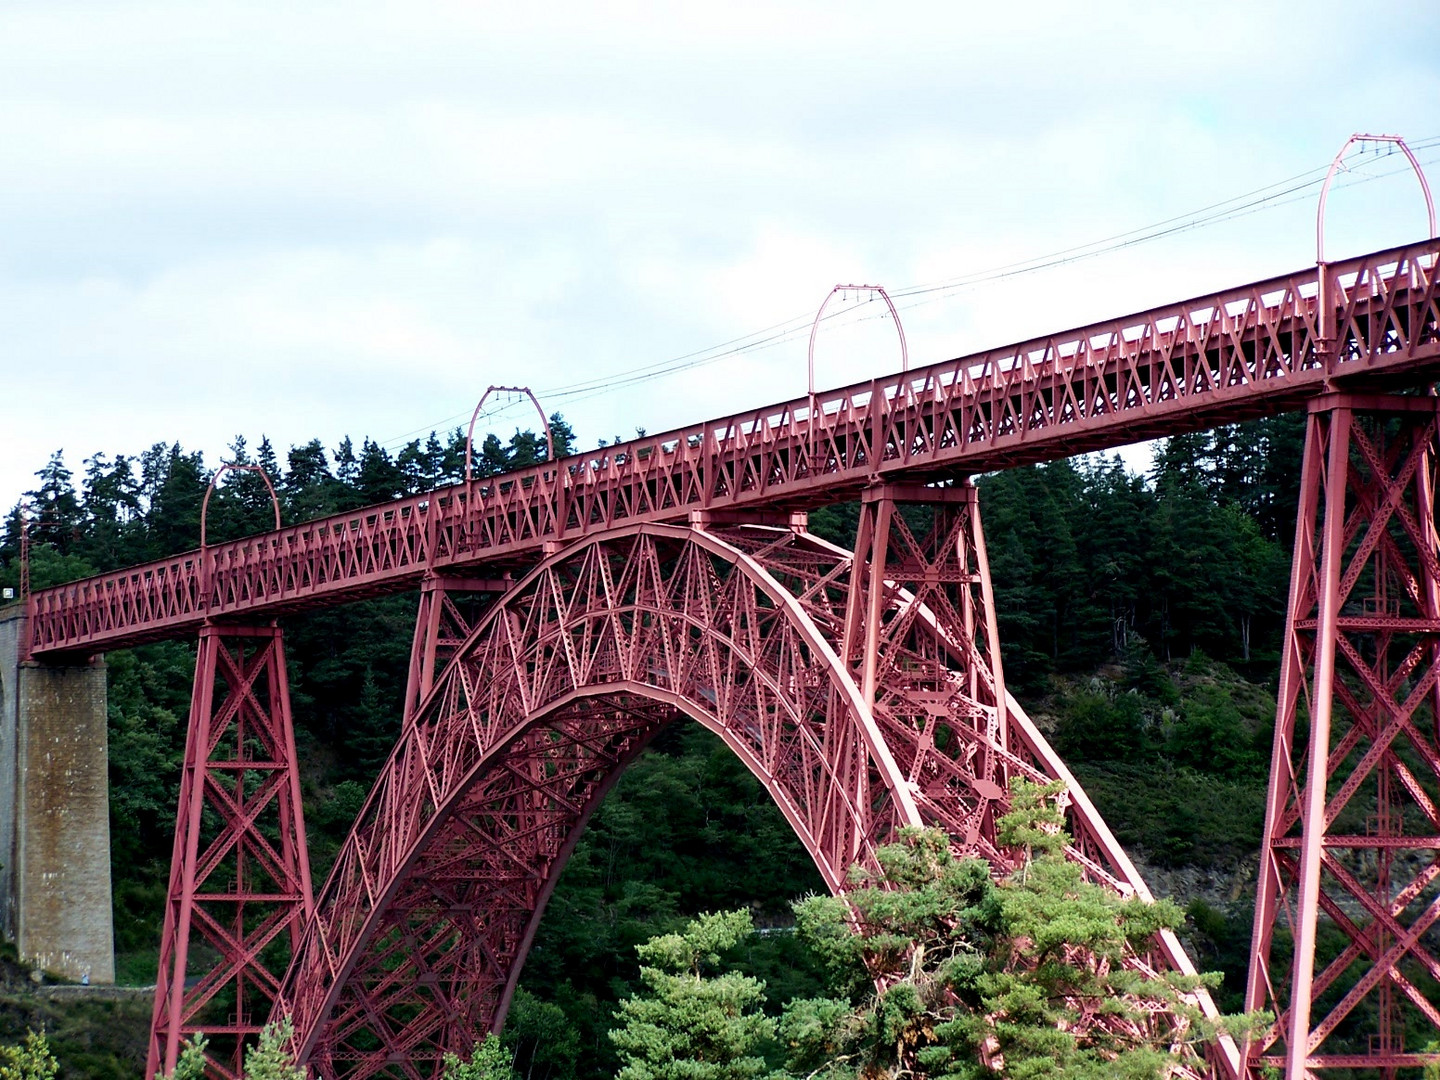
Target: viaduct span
{"x":570,"y":610}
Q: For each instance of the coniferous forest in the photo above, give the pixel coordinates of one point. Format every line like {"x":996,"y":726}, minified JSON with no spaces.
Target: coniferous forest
{"x":1140,"y":625}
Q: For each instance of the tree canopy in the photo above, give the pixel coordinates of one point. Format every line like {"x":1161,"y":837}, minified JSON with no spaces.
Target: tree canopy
{"x":935,"y":970}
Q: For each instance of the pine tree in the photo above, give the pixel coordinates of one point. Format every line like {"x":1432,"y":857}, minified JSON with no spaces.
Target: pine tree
{"x":544,"y":1041}
{"x":55,"y":512}
{"x":347,"y":469}
{"x":414,"y":466}
{"x":266,"y":459}
{"x":691,"y":1025}
{"x":562,"y":436}
{"x":192,"y":1061}
{"x":377,"y":477}
{"x":489,"y":1061}
{"x":178,"y":481}
{"x":271,"y":1057}
{"x":32,"y":1060}
{"x":490,"y":458}
{"x":434,"y":462}
{"x":1021,"y":978}
{"x":112,"y":511}
{"x":308,"y":489}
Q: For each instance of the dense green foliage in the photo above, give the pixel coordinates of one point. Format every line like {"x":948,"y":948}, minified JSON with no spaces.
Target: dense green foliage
{"x":1087,"y":559}
{"x":691,"y":1023}
{"x":489,"y":1061}
{"x":192,"y":1060}
{"x":687,"y":829}
{"x":271,"y":1058}
{"x":1021,"y":978}
{"x":1134,"y":611}
{"x":30,"y":1060}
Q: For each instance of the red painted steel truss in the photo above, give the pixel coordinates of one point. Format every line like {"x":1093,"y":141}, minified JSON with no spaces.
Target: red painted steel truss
{"x":1347,"y":949}
{"x":240,"y":877}
{"x":1242,"y":352}
{"x":862,"y":699}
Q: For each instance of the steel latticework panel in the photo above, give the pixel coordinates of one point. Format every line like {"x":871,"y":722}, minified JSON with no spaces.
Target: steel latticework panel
{"x":860,"y":706}
{"x":1346,"y":943}
{"x":240,"y":877}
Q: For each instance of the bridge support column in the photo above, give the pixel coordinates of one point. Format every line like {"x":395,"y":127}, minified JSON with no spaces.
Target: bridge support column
{"x":240,"y":890}
{"x":922,"y":643}
{"x":1344,"y":948}
{"x":54,"y":810}
{"x":922,"y":640}
{"x":447,"y":612}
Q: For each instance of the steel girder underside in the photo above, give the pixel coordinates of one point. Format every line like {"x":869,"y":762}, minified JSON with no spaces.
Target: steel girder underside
{"x":861,"y":706}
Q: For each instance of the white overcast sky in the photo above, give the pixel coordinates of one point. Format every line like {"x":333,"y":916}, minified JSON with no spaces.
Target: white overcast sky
{"x":303,"y":220}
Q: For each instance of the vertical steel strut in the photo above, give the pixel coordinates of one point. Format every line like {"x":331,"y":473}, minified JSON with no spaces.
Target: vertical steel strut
{"x":443,"y":620}
{"x":239,"y":877}
{"x":1344,"y":949}
{"x":922,"y":642}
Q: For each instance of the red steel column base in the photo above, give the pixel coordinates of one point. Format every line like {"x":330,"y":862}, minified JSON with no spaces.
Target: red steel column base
{"x":239,"y":877}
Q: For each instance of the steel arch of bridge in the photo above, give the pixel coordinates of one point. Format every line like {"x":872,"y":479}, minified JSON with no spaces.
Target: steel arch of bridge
{"x":756,"y":631}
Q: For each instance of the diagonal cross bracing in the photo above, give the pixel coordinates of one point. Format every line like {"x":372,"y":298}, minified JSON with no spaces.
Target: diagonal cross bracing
{"x":421,"y":931}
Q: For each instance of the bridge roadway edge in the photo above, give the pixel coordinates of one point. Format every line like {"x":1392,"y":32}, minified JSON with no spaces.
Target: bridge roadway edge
{"x":55,"y":896}
{"x":1217,"y":358}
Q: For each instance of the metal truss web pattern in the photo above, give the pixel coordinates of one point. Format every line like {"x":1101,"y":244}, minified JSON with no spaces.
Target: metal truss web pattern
{"x":240,"y":876}
{"x":1183,"y":367}
{"x":1346,"y":947}
{"x":751,"y":630}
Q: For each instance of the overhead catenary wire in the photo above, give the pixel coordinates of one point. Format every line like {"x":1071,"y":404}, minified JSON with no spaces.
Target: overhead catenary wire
{"x":932,"y":292}
{"x":1267,"y":197}
{"x":797,"y":325}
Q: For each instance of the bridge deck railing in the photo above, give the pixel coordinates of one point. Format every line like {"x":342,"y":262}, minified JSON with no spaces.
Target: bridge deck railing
{"x":1257,"y":348}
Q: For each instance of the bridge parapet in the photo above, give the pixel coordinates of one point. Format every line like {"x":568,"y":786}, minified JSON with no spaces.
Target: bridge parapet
{"x":1218,"y":358}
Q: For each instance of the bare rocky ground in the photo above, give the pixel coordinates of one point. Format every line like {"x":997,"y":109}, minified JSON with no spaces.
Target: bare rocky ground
{"x":1218,"y":886}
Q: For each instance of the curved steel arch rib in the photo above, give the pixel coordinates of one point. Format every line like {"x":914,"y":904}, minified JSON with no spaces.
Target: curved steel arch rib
{"x":434,"y":899}
{"x":421,"y":931}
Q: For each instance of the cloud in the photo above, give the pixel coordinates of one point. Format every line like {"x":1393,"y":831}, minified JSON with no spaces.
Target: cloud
{"x":319,"y":219}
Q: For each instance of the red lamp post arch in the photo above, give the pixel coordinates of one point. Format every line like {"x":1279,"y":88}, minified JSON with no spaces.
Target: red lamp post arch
{"x":206,"y":575}
{"x":1337,"y":163}
{"x":1325,"y":277}
{"x":820,"y":315}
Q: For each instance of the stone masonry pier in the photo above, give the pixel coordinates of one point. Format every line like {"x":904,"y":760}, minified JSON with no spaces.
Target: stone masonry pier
{"x":54,"y":811}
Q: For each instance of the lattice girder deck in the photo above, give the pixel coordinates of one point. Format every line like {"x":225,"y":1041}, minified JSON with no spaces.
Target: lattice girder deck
{"x":1226,"y":356}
